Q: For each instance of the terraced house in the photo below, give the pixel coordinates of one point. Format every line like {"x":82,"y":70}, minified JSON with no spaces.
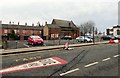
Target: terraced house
{"x":57,"y":29}
{"x":21,"y":31}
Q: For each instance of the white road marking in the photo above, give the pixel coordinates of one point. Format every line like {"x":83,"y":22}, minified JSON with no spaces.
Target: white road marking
{"x":106,"y":59}
{"x":69,"y":71}
{"x":116,"y":56}
{"x":36,"y":64}
{"x":91,"y":64}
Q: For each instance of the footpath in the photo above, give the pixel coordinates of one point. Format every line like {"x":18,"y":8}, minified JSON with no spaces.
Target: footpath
{"x":32,"y":49}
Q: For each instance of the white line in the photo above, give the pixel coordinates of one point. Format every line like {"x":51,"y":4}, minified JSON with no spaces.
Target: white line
{"x":91,"y":64}
{"x":116,"y":56}
{"x":69,"y":71}
{"x":106,"y":59}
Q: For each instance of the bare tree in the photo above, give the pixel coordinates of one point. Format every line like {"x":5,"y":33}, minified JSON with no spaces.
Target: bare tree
{"x":87,"y":27}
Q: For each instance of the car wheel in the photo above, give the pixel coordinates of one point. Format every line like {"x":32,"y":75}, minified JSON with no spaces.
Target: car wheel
{"x":86,"y":41}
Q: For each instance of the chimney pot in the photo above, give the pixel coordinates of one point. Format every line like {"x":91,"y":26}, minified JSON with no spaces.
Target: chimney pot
{"x":26,"y":24}
{"x":18,"y":23}
{"x":10,"y":22}
{"x":46,"y":23}
{"x":0,"y":22}
{"x":32,"y":24}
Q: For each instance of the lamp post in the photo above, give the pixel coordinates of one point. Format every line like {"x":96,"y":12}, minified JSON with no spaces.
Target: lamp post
{"x":84,"y":33}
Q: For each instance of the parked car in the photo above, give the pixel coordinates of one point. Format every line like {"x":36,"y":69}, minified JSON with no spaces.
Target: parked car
{"x":107,"y":37}
{"x":35,"y":40}
{"x":115,"y":40}
{"x":84,"y":39}
{"x":91,"y":37}
{"x":67,"y":37}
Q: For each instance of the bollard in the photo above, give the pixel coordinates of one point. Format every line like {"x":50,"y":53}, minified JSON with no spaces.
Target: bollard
{"x":16,"y":44}
{"x":6,"y":44}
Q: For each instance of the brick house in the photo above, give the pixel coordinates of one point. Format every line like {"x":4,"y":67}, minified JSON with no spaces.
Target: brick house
{"x":51,"y":31}
{"x":59,"y":28}
{"x":23,"y":31}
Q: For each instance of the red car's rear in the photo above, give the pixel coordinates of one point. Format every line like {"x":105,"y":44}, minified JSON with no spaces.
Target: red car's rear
{"x":114,"y":41}
{"x":35,"y":40}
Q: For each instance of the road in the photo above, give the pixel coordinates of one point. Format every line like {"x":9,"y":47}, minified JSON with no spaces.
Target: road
{"x":95,"y":60}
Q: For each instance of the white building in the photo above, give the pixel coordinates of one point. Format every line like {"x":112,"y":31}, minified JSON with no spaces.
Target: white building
{"x":115,"y":31}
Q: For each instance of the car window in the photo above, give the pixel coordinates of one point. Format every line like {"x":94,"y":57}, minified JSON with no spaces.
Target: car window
{"x":35,"y":37}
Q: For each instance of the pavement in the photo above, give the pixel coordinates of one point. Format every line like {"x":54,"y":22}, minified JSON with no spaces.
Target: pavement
{"x":41,"y":48}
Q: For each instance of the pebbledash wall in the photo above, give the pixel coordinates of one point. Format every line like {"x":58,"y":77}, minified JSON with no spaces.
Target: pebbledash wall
{"x":114,"y":30}
{"x":57,"y":29}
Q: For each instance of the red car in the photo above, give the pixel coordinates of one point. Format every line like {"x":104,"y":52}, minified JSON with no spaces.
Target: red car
{"x":35,"y":40}
{"x":114,"y":41}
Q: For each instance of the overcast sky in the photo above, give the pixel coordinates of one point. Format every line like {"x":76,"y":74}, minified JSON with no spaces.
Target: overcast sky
{"x":103,"y":12}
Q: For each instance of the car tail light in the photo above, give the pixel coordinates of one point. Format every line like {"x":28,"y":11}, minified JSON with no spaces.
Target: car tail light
{"x":111,"y":41}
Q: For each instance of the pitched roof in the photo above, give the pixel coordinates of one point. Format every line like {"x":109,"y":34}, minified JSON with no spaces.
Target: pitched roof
{"x":20,"y":26}
{"x":53,"y":26}
{"x":117,"y":26}
{"x":63,"y":23}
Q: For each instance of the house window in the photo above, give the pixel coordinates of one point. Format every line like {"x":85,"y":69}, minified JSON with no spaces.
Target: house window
{"x":118,"y":32}
{"x":15,"y":31}
{"x":56,"y":35}
{"x":5,"y":31}
{"x":23,"y":31}
{"x":18,"y":31}
{"x":40,"y":32}
{"x":52,"y":35}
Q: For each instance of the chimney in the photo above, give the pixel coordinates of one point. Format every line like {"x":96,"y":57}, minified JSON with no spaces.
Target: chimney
{"x":38,"y":24}
{"x":69,"y":24}
{"x":13,"y":22}
{"x":10,"y":22}
{"x":0,"y":22}
{"x":18,"y":23}
{"x":32,"y":24}
{"x":46,"y":23}
{"x":26,"y":24}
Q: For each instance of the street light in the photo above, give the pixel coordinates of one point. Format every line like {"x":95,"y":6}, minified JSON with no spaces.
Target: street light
{"x":93,"y":36}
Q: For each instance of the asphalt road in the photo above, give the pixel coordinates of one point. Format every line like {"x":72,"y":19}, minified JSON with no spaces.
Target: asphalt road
{"x":95,"y":60}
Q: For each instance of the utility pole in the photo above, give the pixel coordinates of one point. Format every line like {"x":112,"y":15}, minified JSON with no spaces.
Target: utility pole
{"x":93,"y":36}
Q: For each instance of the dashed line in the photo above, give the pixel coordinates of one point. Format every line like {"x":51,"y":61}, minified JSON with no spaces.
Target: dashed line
{"x":106,"y":59}
{"x":91,"y":64}
{"x":69,"y":71}
{"x":116,"y":56}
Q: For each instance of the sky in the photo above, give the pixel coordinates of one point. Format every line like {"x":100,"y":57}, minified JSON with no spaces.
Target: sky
{"x":104,"y":13}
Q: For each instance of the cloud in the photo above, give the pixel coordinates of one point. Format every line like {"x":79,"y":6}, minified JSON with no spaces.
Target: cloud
{"x":102,"y":12}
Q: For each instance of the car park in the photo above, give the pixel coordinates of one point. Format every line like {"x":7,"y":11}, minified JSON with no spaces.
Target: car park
{"x":67,"y":37}
{"x":84,"y":39}
{"x":35,"y":40}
